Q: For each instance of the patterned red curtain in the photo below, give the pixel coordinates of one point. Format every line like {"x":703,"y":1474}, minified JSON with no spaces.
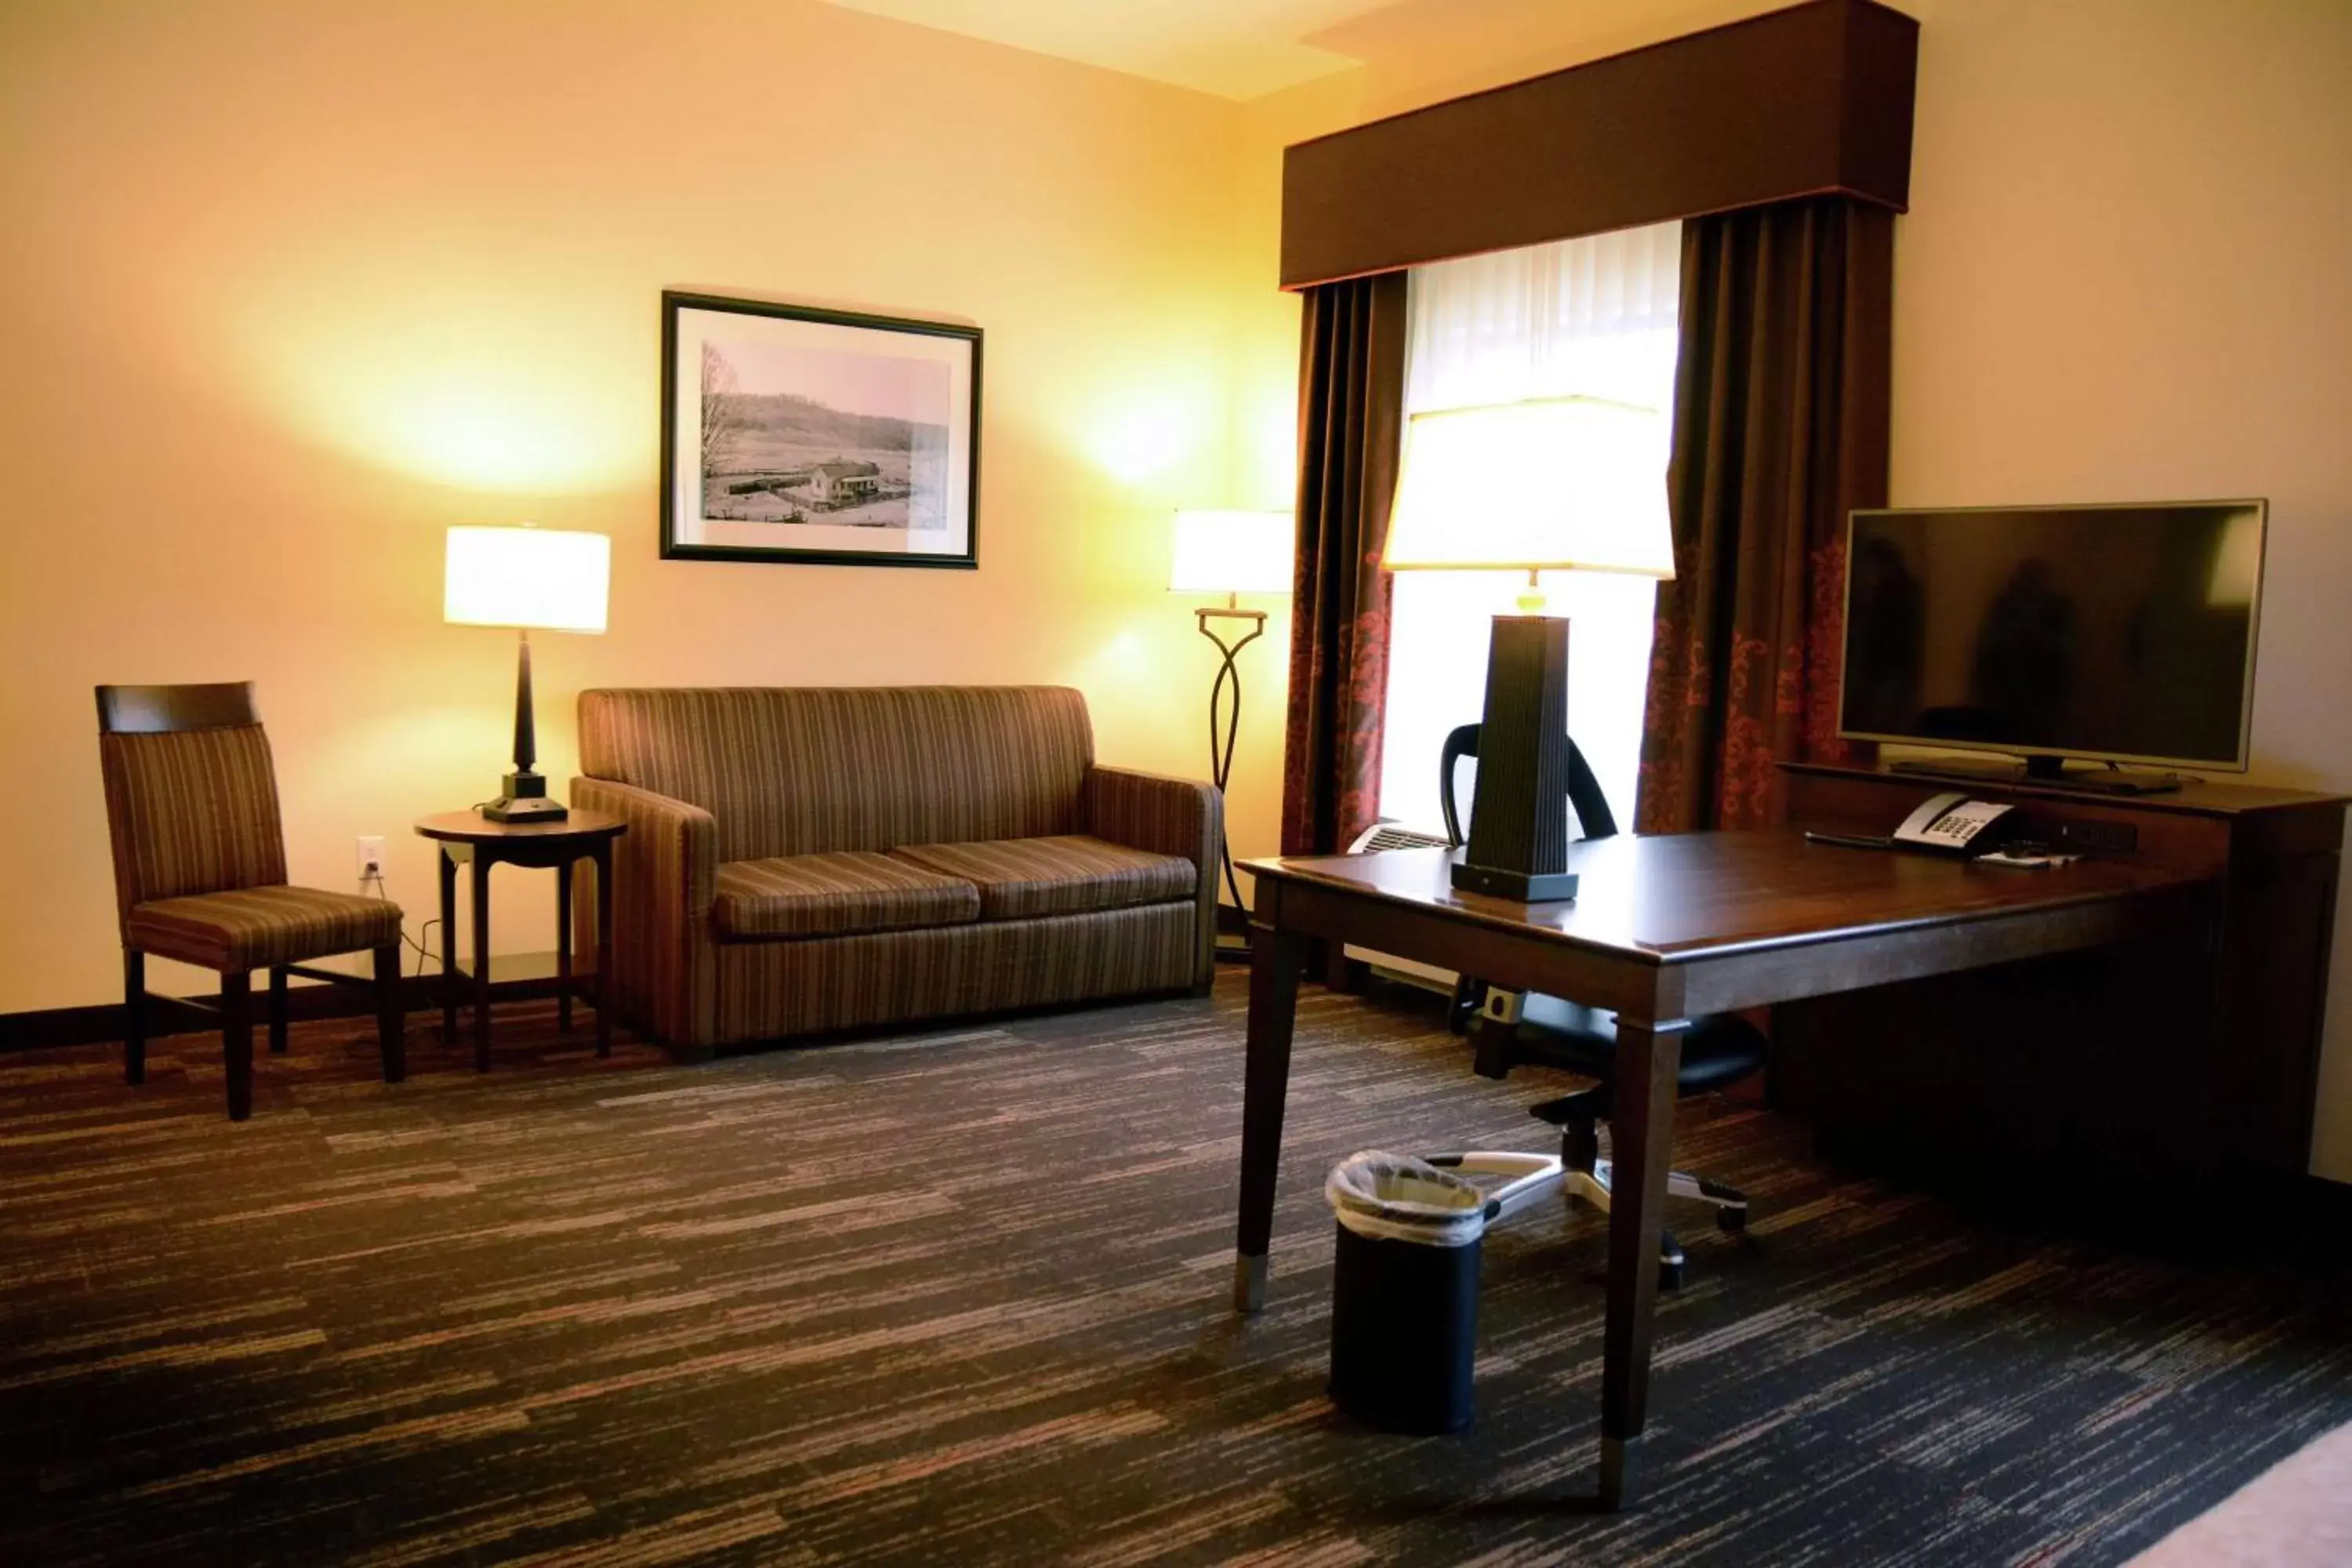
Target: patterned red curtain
{"x":1780,"y":428}
{"x":1351,"y":418}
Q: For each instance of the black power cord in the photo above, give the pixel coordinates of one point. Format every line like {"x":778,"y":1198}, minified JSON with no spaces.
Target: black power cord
{"x":372,"y":886}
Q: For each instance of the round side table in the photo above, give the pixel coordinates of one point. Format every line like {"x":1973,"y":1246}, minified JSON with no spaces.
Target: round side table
{"x":469,"y":836}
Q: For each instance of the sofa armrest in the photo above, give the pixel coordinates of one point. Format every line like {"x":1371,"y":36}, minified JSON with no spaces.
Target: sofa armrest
{"x":1164,"y":816}
{"x":663,"y":968}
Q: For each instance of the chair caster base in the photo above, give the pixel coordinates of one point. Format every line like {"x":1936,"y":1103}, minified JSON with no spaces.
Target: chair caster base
{"x":1589,"y":1183}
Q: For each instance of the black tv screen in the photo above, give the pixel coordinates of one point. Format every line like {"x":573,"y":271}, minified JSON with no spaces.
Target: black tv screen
{"x":2125,"y":633}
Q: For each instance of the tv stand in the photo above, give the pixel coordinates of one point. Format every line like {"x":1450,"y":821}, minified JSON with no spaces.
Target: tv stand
{"x":2041,"y":768}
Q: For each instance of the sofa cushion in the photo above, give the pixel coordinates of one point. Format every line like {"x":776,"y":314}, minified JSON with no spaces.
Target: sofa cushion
{"x":1066,"y":875}
{"x":838,"y":894}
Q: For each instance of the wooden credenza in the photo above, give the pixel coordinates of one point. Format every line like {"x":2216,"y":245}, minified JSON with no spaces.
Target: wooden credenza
{"x":2197,"y":1059}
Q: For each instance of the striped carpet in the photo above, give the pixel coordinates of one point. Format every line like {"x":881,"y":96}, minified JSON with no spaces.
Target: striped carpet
{"x":960,"y":1298}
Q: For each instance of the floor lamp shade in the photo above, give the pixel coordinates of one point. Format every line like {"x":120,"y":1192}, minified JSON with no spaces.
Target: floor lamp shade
{"x":531,"y":579}
{"x":1553,"y":484}
{"x":1232,"y":553}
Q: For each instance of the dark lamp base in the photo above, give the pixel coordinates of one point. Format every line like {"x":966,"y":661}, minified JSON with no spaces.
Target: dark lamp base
{"x":1520,"y":887}
{"x":525,"y":800}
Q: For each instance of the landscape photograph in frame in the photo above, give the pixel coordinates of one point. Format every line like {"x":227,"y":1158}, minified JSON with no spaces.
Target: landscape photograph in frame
{"x":792,"y":434}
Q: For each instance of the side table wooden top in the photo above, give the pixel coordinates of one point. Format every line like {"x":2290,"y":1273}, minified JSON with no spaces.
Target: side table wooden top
{"x":473,"y":827}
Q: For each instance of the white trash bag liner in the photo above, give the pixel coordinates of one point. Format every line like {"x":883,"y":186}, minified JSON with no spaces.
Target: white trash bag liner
{"x":1398,"y":1197}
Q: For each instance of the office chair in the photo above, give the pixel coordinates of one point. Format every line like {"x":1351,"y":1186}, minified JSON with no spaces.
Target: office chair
{"x":1513,"y":1029}
{"x":200,"y":874}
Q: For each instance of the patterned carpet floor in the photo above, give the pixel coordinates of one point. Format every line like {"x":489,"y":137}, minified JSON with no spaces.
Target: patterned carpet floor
{"x":960,"y":1297}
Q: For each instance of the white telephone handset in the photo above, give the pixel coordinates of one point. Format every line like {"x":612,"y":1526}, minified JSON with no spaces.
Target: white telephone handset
{"x":1949,"y":821}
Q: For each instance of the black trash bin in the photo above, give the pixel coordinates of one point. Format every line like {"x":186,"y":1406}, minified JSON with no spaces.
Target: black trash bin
{"x":1404,"y":1292}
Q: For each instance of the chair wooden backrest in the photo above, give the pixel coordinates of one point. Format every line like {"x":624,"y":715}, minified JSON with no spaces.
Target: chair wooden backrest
{"x":190,"y":795}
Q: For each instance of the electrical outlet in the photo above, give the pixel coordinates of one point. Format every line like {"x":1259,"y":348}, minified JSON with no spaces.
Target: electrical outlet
{"x":371,"y":855}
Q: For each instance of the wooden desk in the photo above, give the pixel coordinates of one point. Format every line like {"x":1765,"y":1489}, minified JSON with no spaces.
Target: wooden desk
{"x":1664,"y":929}
{"x":2127,"y":1073}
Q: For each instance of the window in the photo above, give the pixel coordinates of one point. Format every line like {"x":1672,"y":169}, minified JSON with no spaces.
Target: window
{"x":1593,"y":318}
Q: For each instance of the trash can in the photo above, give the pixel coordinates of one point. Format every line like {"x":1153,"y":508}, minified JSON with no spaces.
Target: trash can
{"x":1404,"y":1292}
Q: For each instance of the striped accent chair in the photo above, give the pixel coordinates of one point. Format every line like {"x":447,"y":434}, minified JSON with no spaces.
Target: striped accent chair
{"x":804,"y":859}
{"x":200,"y":872}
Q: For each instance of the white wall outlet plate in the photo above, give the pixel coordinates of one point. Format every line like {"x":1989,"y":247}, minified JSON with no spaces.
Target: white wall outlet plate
{"x":371,"y":855}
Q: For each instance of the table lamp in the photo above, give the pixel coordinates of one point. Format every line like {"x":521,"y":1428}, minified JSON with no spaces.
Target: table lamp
{"x":1232,"y":554}
{"x":527,"y":577}
{"x":1562,"y":484}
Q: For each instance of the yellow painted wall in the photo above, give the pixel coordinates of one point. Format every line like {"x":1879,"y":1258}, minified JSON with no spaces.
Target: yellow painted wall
{"x":286,"y":287}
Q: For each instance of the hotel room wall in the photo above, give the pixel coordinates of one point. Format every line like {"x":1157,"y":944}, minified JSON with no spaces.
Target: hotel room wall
{"x":2122,"y":278}
{"x":288,"y":289}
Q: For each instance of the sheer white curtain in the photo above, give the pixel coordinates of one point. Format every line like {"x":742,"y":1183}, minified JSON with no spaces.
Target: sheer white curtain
{"x":1585,"y":317}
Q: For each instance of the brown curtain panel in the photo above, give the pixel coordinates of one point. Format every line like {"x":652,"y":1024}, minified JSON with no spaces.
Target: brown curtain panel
{"x":1780,"y":428}
{"x":1351,"y":419}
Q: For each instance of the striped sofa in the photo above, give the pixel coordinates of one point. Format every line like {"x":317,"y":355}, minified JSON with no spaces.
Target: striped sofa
{"x":801,"y":859}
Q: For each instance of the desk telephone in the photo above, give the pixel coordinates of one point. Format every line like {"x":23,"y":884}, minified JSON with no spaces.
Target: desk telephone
{"x":1992,"y":833}
{"x":1955,"y":822}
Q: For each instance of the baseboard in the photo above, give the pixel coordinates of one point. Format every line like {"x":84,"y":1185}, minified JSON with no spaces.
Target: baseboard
{"x":526,"y":977}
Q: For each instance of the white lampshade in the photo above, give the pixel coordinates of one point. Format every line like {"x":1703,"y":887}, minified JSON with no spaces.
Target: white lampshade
{"x":1556,"y":484}
{"x":542,"y":578}
{"x":1232,"y":553}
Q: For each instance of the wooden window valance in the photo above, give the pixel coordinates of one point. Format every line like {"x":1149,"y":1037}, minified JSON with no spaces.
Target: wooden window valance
{"x":1810,"y":101}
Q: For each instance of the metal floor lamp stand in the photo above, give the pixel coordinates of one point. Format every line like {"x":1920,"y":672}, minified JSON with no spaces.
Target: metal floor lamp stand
{"x":1224,"y":728}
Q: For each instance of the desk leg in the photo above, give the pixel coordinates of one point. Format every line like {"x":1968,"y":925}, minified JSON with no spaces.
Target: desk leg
{"x":1641,"y":1143}
{"x":564,"y":948}
{"x":603,"y":1000}
{"x":448,"y":944}
{"x":1275,"y":959}
{"x":481,"y":961}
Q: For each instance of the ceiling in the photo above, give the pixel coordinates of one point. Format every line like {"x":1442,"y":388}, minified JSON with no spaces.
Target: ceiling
{"x":1414,"y":51}
{"x":1234,"y":48}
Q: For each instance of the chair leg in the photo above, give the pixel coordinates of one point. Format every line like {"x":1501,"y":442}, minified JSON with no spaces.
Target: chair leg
{"x":1493,"y":1031}
{"x":391,"y":1018}
{"x":1579,"y":1145}
{"x":237,"y":1041}
{"x":134,"y":1016}
{"x":1586,"y":1176}
{"x":276,"y":1009}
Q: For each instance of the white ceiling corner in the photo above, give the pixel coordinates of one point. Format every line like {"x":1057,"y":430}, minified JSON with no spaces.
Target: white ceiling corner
{"x":1237,"y":49}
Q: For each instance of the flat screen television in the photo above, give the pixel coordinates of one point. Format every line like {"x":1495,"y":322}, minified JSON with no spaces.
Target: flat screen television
{"x":2116,"y":634}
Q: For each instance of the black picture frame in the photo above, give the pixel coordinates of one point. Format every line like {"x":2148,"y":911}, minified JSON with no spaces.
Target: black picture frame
{"x":688,"y":537}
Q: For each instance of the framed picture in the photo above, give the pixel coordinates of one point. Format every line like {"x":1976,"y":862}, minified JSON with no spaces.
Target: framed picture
{"x":817,"y":436}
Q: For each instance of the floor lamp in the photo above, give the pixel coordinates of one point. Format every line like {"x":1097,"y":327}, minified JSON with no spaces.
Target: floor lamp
{"x":1559,"y":484}
{"x":1232,"y":554}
